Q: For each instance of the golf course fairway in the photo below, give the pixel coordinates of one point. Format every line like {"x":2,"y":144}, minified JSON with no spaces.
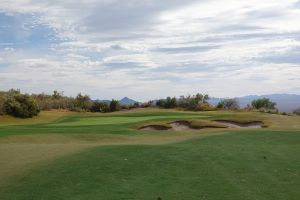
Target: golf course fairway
{"x":85,"y":156}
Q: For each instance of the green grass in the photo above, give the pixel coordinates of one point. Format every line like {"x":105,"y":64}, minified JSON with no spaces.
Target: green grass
{"x":44,"y":117}
{"x":244,"y":165}
{"x":62,"y":157}
{"x":96,"y":124}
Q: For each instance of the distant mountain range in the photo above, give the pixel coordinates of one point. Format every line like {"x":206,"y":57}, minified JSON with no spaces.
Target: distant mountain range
{"x":285,"y":102}
{"x":125,"y":101}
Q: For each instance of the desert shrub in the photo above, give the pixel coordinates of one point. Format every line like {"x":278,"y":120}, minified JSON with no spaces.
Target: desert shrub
{"x":205,"y":107}
{"x":125,"y":107}
{"x":20,"y":105}
{"x":55,"y":101}
{"x":274,"y":111}
{"x":98,"y":106}
{"x":82,"y":102}
{"x":135,"y":105}
{"x":146,"y":104}
{"x":114,"y":106}
{"x":196,"y":102}
{"x":167,"y":103}
{"x":2,"y":100}
{"x":229,"y":104}
{"x":193,"y":102}
{"x":297,"y":111}
{"x":263,"y":103}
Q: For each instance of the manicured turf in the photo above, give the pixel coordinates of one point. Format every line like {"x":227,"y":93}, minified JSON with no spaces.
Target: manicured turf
{"x":246,"y":164}
{"x":97,"y":124}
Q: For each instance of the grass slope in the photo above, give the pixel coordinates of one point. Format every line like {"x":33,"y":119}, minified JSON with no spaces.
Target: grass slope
{"x":246,"y":165}
{"x":60,"y":155}
{"x":44,"y":117}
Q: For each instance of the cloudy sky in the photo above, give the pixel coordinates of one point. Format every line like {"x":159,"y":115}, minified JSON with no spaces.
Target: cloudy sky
{"x":148,"y":49}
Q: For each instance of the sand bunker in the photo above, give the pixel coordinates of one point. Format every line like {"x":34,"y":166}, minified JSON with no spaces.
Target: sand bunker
{"x":175,"y":126}
{"x":234,"y":124}
{"x":183,"y":125}
{"x":155,"y":128}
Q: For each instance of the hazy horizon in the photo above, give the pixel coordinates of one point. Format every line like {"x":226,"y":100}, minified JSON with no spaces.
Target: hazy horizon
{"x":150,"y":49}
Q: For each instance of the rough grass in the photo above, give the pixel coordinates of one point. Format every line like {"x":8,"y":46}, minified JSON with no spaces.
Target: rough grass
{"x":44,"y":117}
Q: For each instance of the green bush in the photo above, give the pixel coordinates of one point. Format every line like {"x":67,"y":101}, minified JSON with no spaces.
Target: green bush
{"x":2,"y":100}
{"x":206,"y":107}
{"x":114,"y":106}
{"x":229,"y":104}
{"x":99,"y":106}
{"x":167,"y":103}
{"x":20,"y":105}
{"x":82,"y":102}
{"x":263,"y":103}
{"x":297,"y":111}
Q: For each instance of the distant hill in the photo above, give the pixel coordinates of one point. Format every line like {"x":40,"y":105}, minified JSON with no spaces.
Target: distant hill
{"x":285,"y":102}
{"x":127,"y":101}
{"x":103,"y":101}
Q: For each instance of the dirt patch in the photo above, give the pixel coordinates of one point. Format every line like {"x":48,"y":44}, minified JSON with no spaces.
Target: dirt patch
{"x":235,"y":124}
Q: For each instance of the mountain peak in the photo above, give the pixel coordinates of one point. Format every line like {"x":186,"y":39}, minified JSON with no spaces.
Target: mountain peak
{"x":127,"y":101}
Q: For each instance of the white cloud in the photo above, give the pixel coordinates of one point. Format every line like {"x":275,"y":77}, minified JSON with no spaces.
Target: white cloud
{"x":112,"y":48}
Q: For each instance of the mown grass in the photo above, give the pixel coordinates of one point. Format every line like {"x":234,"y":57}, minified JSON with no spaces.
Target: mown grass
{"x":60,"y":155}
{"x":242,"y":165}
{"x":120,"y":123}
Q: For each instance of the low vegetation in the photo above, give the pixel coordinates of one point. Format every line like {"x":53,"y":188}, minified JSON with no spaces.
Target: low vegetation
{"x":297,"y":111}
{"x":2,"y":100}
{"x":198,"y":102}
{"x":14,"y":103}
{"x":228,"y":104}
{"x":20,"y":105}
{"x":114,"y":106}
{"x":264,"y":104}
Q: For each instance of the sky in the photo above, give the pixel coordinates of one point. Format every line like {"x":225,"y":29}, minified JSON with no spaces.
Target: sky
{"x":148,"y":49}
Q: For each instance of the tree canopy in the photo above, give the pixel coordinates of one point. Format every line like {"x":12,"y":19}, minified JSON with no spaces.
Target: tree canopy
{"x":114,"y":105}
{"x":20,"y":105}
{"x":297,"y":111}
{"x":263,"y":103}
{"x":229,"y":104}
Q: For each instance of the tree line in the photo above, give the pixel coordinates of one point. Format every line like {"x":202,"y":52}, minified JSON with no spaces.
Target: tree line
{"x":200,"y":102}
{"x":17,"y":104}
